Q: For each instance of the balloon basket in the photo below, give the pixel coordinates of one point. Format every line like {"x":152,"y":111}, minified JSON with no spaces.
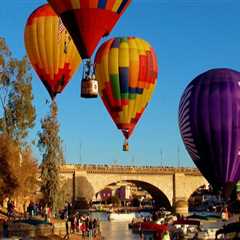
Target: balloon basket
{"x":125,"y":147}
{"x":89,"y":88}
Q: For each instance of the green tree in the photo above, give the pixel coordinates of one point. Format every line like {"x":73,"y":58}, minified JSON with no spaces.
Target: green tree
{"x":17,"y":116}
{"x":16,"y":97}
{"x":50,"y":145}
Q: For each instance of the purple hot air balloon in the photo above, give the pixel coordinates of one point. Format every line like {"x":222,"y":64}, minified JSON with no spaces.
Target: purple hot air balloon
{"x":209,"y":122}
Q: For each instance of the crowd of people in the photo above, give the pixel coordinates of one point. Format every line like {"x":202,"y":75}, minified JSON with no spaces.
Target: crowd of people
{"x":84,"y":225}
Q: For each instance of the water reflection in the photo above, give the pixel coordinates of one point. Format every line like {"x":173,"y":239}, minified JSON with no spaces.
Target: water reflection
{"x":114,"y":230}
{"x":117,"y":231}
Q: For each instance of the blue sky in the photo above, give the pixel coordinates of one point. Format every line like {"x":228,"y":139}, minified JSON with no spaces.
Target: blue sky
{"x":189,"y":36}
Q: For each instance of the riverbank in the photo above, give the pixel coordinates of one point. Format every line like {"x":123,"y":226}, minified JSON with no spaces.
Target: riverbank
{"x":56,"y":237}
{"x":38,"y":229}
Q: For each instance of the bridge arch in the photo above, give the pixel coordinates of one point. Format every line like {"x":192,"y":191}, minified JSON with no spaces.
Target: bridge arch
{"x":203,"y":186}
{"x":153,"y":186}
{"x":194,"y":186}
{"x":159,"y":197}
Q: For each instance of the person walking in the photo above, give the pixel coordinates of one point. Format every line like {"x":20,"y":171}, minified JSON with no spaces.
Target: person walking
{"x":46,"y":212}
{"x":90,"y":229}
{"x":94,"y":227}
{"x":67,"y":229}
{"x":83,"y":229}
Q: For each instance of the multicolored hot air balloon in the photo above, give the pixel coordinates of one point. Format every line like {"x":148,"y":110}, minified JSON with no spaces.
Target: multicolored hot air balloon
{"x":209,"y":121}
{"x":50,"y":49}
{"x":89,"y":20}
{"x":126,"y":69}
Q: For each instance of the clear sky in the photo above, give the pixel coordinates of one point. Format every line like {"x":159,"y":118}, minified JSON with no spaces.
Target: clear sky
{"x":189,"y":36}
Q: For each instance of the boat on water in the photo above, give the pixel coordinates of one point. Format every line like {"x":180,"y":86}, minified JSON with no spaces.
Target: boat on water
{"x":151,"y":230}
{"x":129,"y":216}
{"x":208,"y":229}
{"x":121,"y":216}
{"x":185,"y":228}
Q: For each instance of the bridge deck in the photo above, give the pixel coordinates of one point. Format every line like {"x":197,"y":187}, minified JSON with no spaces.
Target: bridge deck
{"x":118,"y":169}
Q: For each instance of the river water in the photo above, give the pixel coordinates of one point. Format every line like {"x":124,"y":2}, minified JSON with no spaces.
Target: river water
{"x":117,"y":231}
{"x":114,"y":230}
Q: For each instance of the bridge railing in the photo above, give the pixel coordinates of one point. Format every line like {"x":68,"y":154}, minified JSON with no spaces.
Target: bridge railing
{"x":105,"y":168}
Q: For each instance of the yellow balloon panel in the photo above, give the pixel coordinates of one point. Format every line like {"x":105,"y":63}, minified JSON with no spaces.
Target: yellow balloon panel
{"x":130,"y":65}
{"x":50,"y":49}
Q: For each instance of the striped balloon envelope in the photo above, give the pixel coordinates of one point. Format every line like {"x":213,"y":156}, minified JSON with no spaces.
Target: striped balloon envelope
{"x":89,"y":20}
{"x":209,"y":122}
{"x":126,"y":70}
{"x":50,"y":49}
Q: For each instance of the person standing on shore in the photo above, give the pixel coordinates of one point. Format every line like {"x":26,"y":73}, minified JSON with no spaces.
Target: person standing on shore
{"x":90,"y":228}
{"x":46,"y":211}
{"x":67,"y":229}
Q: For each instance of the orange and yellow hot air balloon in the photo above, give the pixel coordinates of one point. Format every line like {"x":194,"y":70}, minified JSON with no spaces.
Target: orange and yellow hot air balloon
{"x":126,"y":70}
{"x":50,"y":49}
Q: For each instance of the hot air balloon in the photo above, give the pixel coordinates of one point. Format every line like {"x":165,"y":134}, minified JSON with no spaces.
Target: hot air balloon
{"x":88,"y":21}
{"x":209,"y":122}
{"x":50,"y":49}
{"x":126,"y":69}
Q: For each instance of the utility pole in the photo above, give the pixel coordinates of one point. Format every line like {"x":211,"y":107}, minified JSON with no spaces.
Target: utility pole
{"x":65,"y":153}
{"x":178,"y":156}
{"x":161,"y":157}
{"x":115,"y":160}
{"x":80,"y":153}
{"x":133,"y":160}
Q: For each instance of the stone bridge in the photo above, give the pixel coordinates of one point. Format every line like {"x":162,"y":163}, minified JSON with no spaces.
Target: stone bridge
{"x":165,"y":184}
